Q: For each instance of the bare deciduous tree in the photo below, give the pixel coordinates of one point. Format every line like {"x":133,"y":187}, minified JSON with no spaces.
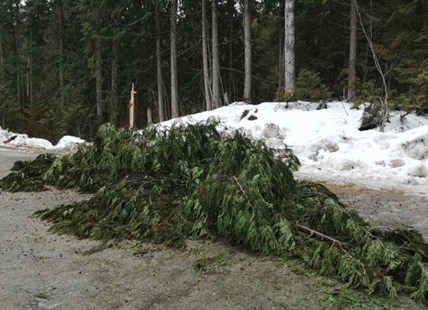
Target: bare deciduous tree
{"x":384,"y":108}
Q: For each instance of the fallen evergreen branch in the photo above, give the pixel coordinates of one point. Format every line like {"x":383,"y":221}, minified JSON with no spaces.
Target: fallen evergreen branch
{"x":27,"y":175}
{"x":187,"y":182}
{"x":321,"y":236}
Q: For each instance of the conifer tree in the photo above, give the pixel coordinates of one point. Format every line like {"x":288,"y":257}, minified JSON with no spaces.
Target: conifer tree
{"x":174,"y":75}
{"x":248,"y":51}
{"x":289,"y":57}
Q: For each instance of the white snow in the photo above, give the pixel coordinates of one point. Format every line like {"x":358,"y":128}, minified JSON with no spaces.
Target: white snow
{"x":67,"y":140}
{"x":327,"y":142}
{"x":330,"y":146}
{"x":10,"y":139}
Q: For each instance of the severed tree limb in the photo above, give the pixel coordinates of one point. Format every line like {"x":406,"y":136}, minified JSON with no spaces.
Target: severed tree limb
{"x":242,"y":190}
{"x":320,"y":235}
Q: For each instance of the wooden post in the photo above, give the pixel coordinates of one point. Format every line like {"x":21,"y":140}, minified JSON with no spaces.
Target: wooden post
{"x":131,"y":108}
{"x":149,"y":117}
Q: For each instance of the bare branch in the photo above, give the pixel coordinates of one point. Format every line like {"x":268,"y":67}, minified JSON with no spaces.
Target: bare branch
{"x":320,"y":235}
{"x":384,"y":101}
{"x":242,"y":190}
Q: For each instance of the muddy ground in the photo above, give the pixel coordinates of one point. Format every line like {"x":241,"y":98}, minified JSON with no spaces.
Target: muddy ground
{"x":39,"y":270}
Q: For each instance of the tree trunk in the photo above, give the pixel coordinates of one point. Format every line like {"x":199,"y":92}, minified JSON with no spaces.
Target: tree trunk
{"x":281,"y":51}
{"x":20,"y":97}
{"x":30,"y":72}
{"x":247,"y":52}
{"x":131,"y":108}
{"x":114,"y":89}
{"x":99,"y":79}
{"x":17,"y":35}
{"x":231,"y":88}
{"x":289,"y":58}
{"x":281,"y":61}
{"x":207,"y":87}
{"x":161,"y":110}
{"x":1,"y":48}
{"x":352,"y":75}
{"x":215,"y":61}
{"x":174,"y":77}
{"x":61,"y":56}
{"x":149,"y":116}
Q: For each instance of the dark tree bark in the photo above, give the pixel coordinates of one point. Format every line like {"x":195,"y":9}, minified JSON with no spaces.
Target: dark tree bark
{"x":289,"y":57}
{"x":174,"y":76}
{"x":61,"y":54}
{"x":114,"y":89}
{"x":215,"y":60}
{"x":207,"y":84}
{"x":161,"y":110}
{"x":247,"y":52}
{"x":99,"y":78}
{"x":352,"y":51}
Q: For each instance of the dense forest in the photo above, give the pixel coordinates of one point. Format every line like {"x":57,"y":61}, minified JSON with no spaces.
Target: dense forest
{"x":67,"y":66}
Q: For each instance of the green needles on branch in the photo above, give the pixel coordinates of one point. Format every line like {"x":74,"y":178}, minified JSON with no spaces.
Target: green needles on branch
{"x":187,"y":182}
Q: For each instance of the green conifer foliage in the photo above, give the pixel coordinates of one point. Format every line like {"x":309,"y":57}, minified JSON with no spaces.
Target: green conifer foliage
{"x":165,"y":186}
{"x":26,"y":175}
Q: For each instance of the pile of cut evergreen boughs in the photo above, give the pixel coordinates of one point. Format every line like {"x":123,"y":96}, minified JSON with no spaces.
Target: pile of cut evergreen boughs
{"x":187,"y":182}
{"x":27,"y":175}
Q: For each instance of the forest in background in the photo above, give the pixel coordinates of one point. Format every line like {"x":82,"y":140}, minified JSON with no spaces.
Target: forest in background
{"x":67,"y":66}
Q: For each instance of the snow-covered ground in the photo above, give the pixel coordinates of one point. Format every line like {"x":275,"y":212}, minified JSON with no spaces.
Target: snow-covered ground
{"x":10,"y":139}
{"x":330,"y":146}
{"x":328,"y":143}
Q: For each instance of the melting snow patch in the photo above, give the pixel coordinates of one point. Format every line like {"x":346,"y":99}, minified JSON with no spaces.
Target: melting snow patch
{"x":417,"y":148}
{"x":396,"y":163}
{"x":418,"y":171}
{"x":272,"y":131}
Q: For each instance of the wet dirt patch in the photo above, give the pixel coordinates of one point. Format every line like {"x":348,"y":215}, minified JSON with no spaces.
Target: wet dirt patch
{"x":385,"y":206}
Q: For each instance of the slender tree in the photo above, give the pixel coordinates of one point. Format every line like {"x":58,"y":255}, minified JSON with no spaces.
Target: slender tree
{"x":61,"y":53}
{"x":248,"y":54}
{"x":161,"y":110}
{"x":174,"y":77}
{"x":384,"y":107}
{"x":352,"y":75}
{"x":289,"y":57}
{"x":215,"y":57}
{"x":230,"y":88}
{"x":114,"y":79}
{"x":16,"y":20}
{"x":207,"y":84}
{"x":1,"y":48}
{"x":98,"y":78}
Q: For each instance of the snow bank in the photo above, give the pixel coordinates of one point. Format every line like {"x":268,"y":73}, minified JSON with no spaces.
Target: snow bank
{"x":327,"y":142}
{"x":11,"y":139}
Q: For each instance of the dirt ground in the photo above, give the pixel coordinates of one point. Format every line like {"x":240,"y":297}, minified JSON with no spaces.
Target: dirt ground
{"x":39,"y":270}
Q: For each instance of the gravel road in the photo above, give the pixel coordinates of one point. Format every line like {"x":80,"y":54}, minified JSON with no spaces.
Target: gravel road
{"x":39,"y":270}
